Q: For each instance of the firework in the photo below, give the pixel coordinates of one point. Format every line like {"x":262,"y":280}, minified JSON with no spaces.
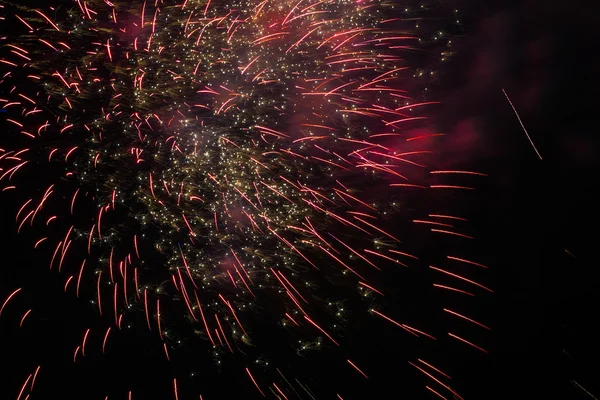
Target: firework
{"x":218,"y":167}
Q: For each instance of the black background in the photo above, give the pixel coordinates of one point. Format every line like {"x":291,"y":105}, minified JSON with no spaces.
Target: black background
{"x":529,"y":212}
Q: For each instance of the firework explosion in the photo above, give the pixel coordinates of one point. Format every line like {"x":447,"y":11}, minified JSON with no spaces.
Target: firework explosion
{"x":221,"y":167}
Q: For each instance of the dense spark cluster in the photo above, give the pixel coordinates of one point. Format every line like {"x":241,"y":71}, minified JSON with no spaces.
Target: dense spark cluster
{"x":220,"y":165}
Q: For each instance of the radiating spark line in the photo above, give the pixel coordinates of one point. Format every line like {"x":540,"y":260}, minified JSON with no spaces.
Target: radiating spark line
{"x":522,"y":125}
{"x":434,"y":368}
{"x":461,"y":278}
{"x":358,"y":369}
{"x":254,"y":381}
{"x":467,"y":319}
{"x":467,"y":342}
{"x":10,"y":296}
{"x":465,"y":261}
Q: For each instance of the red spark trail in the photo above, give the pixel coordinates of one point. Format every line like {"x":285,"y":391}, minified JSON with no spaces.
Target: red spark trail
{"x":321,"y":329}
{"x":467,"y":319}
{"x":10,"y":296}
{"x":254,"y":381}
{"x":358,"y":369}
{"x":434,"y":368}
{"x":24,"y":316}
{"x":461,"y":278}
{"x":467,"y":342}
{"x":465,"y":261}
{"x":522,"y":126}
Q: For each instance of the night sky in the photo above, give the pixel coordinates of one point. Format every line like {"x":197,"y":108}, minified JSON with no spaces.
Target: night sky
{"x":535,"y":222}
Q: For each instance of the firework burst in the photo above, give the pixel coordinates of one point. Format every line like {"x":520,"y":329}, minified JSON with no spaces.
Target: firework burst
{"x":219,"y":169}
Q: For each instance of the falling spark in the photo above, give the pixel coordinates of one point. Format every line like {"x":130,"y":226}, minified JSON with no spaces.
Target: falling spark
{"x":522,"y":126}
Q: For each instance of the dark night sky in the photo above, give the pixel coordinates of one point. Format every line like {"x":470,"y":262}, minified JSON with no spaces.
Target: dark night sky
{"x":528,"y":212}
